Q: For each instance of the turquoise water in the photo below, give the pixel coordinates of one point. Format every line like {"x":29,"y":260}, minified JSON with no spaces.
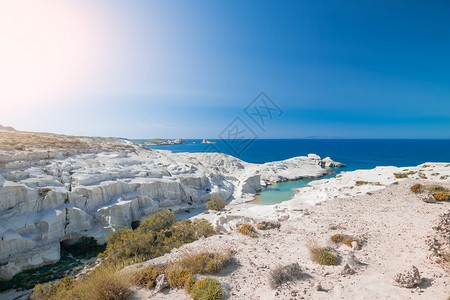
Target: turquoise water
{"x":356,"y":154}
{"x":282,"y":191}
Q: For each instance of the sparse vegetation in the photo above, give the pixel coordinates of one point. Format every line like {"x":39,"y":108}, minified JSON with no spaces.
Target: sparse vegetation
{"x":432,"y":188}
{"x":336,"y":238}
{"x":416,"y":188}
{"x":215,"y":203}
{"x":348,"y":241}
{"x":206,"y":262}
{"x":207,"y":289}
{"x":320,"y":254}
{"x":155,"y":236}
{"x":180,"y":278}
{"x":247,"y":229}
{"x":400,"y":175}
{"x":28,"y":279}
{"x":441,"y":196}
{"x":360,"y":183}
{"x":267,"y":225}
{"x":425,"y":166}
{"x":282,"y":274}
{"x":147,"y":277}
{"x":423,"y":176}
{"x":102,"y":283}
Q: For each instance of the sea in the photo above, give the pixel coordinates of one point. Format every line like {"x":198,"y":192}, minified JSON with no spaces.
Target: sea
{"x":354,"y":153}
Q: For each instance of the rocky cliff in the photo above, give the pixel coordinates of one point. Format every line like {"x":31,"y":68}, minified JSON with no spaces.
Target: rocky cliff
{"x":56,"y":189}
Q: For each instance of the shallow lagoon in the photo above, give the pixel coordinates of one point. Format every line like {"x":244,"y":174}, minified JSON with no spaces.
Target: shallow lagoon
{"x":282,"y":191}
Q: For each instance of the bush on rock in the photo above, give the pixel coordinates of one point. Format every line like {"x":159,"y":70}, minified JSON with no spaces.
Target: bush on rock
{"x":207,"y":289}
{"x":215,"y":203}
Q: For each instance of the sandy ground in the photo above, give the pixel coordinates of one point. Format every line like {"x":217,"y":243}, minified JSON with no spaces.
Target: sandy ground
{"x":393,"y":224}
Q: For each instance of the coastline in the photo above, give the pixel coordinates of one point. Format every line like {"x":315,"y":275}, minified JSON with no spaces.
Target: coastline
{"x":355,"y":202}
{"x":393,"y":225}
{"x":58,"y":188}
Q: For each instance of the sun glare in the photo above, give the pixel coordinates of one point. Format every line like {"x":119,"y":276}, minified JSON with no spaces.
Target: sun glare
{"x":43,"y":46}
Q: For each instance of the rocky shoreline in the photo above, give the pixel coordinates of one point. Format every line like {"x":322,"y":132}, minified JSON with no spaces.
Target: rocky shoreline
{"x":57,"y":188}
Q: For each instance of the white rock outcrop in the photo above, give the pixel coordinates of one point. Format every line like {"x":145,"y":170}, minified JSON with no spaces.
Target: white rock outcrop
{"x":408,"y":278}
{"x":56,"y":189}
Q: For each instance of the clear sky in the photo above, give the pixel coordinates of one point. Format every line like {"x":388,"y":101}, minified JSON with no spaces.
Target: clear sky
{"x":141,"y":69}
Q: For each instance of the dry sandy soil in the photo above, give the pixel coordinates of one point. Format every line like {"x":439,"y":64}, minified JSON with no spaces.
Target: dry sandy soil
{"x":392,"y":223}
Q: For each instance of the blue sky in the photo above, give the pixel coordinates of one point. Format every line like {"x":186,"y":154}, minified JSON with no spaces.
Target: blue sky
{"x":144,"y":69}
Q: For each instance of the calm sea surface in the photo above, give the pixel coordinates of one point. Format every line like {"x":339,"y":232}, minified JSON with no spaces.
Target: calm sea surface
{"x":356,"y":154}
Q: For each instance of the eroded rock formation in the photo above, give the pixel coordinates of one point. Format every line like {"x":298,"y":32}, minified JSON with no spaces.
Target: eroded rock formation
{"x":56,"y":189}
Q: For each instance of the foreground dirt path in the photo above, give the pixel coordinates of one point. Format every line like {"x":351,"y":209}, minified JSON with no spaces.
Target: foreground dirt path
{"x":393,"y":224}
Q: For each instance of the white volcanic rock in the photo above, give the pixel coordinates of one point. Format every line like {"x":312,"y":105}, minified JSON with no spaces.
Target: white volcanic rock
{"x":350,"y":184}
{"x":205,"y":141}
{"x":408,"y":278}
{"x":56,"y":188}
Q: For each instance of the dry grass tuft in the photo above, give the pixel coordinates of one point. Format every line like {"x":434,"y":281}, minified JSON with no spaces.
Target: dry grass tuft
{"x":247,"y":229}
{"x":432,"y":188}
{"x":336,"y":238}
{"x":441,"y":196}
{"x":400,"y":175}
{"x":416,"y":188}
{"x":147,"y":277}
{"x":206,"y":262}
{"x":348,"y":241}
{"x":282,"y":274}
{"x":103,"y":283}
{"x":267,"y":225}
{"x":320,"y":254}
{"x":180,"y":278}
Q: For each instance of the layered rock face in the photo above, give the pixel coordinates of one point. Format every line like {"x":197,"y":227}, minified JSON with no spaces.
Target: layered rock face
{"x":55,"y":188}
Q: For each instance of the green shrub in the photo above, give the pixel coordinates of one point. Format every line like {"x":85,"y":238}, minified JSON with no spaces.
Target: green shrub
{"x":207,"y":289}
{"x":158,"y":221}
{"x":155,"y":236}
{"x":247,"y":229}
{"x":320,"y":254}
{"x":215,"y":203}
{"x":147,"y":277}
{"x":416,"y":188}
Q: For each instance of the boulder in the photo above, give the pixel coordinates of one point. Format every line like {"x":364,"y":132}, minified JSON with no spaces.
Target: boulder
{"x":409,"y":278}
{"x":428,"y":198}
